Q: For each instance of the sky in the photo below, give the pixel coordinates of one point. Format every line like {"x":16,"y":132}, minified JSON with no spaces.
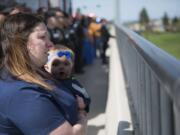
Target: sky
{"x":128,"y":10}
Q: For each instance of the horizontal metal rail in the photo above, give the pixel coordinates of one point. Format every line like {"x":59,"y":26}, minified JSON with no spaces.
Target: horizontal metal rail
{"x":153,"y":84}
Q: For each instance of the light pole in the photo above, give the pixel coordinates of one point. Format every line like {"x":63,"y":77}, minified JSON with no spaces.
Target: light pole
{"x":117,"y":14}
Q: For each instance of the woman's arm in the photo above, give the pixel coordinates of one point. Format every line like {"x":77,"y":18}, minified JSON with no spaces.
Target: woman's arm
{"x":37,"y":114}
{"x":77,"y":129}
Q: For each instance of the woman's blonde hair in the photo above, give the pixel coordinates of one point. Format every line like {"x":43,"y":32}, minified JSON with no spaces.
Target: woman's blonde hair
{"x":15,"y":31}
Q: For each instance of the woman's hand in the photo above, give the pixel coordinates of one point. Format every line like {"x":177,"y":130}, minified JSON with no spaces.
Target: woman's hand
{"x":80,"y":128}
{"x":80,"y":102}
{"x":82,"y":113}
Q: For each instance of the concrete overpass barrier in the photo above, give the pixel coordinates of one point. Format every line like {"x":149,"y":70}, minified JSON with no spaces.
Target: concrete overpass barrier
{"x":152,"y":79}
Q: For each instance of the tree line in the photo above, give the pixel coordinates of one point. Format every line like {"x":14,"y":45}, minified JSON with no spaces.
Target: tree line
{"x":169,"y":24}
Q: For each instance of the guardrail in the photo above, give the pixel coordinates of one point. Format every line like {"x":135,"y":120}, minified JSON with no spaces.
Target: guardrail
{"x":153,"y":85}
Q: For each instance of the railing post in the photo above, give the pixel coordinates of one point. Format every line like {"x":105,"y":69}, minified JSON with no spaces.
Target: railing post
{"x":176,"y":120}
{"x":143,"y":99}
{"x":148,"y":102}
{"x":166,"y":115}
{"x":156,"y":128}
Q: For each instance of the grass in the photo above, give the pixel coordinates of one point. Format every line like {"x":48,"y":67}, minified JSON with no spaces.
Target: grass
{"x":170,"y":42}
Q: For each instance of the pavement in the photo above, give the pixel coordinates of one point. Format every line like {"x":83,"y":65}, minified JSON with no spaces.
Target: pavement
{"x":95,"y":80}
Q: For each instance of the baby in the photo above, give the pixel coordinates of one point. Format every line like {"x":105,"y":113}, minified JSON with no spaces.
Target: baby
{"x":60,"y":64}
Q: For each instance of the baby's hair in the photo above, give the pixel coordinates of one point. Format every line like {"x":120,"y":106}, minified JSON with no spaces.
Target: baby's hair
{"x":63,"y":49}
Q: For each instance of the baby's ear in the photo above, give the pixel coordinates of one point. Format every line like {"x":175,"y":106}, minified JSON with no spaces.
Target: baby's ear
{"x":46,"y":68}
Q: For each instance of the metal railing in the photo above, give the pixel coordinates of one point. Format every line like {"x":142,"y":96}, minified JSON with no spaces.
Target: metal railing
{"x":153,"y":85}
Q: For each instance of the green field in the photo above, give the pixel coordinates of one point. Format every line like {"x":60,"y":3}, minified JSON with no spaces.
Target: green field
{"x":170,"y":42}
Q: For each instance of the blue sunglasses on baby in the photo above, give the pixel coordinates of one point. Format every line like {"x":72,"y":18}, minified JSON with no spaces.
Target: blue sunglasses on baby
{"x":67,"y":54}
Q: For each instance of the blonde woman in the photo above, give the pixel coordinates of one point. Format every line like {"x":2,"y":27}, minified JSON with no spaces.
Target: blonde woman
{"x":30,"y":103}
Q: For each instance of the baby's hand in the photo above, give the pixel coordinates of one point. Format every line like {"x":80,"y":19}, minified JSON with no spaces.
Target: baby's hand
{"x":80,"y":101}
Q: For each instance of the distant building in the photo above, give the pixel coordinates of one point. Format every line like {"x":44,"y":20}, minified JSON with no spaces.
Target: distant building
{"x":65,"y":5}
{"x":154,"y":25}
{"x":135,"y":26}
{"x":34,"y":4}
{"x":7,"y":3}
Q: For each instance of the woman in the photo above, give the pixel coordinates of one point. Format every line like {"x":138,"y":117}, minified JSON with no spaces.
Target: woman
{"x":30,"y":103}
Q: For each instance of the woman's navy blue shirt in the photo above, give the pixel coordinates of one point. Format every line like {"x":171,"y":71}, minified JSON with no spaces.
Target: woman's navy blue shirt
{"x":26,"y":109}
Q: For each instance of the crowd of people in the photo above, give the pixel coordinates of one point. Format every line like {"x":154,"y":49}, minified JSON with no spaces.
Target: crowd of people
{"x":39,"y":54}
{"x":86,"y":36}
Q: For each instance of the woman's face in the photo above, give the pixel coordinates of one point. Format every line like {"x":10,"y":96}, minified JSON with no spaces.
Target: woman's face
{"x":38,"y":45}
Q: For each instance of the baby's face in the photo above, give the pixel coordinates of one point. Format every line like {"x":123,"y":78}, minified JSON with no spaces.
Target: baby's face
{"x":61,"y":68}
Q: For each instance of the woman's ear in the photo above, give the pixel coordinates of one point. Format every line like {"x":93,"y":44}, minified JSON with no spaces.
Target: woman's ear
{"x":47,"y":68}
{"x":29,"y":48}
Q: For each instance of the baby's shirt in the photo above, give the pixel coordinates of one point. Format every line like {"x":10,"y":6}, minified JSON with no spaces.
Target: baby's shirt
{"x":77,"y":89}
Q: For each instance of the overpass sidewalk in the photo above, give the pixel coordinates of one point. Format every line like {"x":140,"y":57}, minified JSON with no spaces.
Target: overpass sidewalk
{"x":113,"y":118}
{"x":95,"y":80}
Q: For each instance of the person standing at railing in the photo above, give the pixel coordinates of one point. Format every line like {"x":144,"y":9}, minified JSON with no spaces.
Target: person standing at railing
{"x":30,"y":102}
{"x":94,"y":31}
{"x":88,"y":47}
{"x":105,"y":36}
{"x":56,"y":34}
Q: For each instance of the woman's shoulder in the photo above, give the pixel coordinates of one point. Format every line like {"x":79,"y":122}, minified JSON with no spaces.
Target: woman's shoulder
{"x":12,"y":93}
{"x":14,"y":85}
{"x":9,"y":82}
{"x":14,"y":89}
